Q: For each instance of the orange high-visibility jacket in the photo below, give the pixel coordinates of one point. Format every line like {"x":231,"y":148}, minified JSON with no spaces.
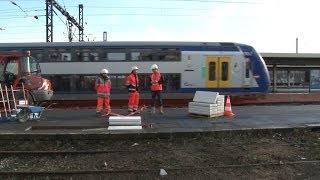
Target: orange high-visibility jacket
{"x":156,"y":82}
{"x":132,"y":82}
{"x":103,"y":87}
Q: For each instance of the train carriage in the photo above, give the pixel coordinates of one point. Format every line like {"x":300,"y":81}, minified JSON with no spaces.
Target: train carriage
{"x":187,"y":66}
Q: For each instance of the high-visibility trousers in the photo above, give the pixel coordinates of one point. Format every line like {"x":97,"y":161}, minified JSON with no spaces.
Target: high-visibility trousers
{"x":103,"y":101}
{"x":133,"y":101}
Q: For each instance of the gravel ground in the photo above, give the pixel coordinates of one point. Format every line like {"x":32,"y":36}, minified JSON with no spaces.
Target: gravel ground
{"x":287,"y":155}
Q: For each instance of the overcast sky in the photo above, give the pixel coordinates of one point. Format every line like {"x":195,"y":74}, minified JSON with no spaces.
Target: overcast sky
{"x":268,"y":25}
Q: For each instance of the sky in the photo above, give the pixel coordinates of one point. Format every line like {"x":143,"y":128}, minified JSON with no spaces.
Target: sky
{"x":267,"y":25}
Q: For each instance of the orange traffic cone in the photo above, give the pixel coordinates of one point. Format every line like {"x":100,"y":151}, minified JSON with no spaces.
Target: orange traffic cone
{"x":227,"y":108}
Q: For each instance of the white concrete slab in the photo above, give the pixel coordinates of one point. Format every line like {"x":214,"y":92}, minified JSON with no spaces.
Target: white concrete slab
{"x":124,"y":127}
{"x":126,"y":123}
{"x":126,"y":118}
{"x":206,"y":112}
{"x":207,"y":97}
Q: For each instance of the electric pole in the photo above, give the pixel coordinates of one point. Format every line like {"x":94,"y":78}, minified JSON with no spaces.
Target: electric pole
{"x":71,"y":20}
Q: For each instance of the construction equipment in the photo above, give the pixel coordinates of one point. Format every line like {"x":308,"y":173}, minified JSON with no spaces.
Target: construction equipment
{"x":23,"y":111}
{"x":18,"y":69}
{"x":9,"y":107}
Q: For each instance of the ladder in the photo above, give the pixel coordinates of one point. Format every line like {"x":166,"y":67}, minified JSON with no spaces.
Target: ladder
{"x":9,"y":103}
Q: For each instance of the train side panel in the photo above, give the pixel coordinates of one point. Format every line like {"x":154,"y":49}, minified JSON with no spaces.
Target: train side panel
{"x":217,"y":71}
{"x":113,"y":67}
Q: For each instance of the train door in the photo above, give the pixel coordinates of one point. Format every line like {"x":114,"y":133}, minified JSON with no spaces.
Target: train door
{"x":247,"y":76}
{"x":218,"y":69}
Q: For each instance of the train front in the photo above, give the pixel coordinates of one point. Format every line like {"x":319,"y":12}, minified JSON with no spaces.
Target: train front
{"x":259,"y":68}
{"x":31,"y":74}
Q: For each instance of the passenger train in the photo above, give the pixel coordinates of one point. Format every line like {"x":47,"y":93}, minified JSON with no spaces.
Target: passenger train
{"x":227,"y":68}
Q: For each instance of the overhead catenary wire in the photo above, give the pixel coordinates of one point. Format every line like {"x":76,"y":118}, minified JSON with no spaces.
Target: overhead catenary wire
{"x":160,"y":11}
{"x":12,"y":2}
{"x":216,"y":1}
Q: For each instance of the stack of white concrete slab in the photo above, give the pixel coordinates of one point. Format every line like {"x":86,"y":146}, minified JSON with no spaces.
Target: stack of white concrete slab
{"x":205,"y":103}
{"x":125,"y":123}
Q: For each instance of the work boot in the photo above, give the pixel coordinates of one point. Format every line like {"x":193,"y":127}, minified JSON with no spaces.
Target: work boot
{"x":153,"y":110}
{"x":98,"y":114}
{"x":161,"y":110}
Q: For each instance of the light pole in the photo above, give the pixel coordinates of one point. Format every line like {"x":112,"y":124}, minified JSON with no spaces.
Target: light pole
{"x":105,"y":36}
{"x":297,"y":45}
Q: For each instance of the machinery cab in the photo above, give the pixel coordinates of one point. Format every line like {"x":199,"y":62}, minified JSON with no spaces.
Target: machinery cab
{"x":16,"y":69}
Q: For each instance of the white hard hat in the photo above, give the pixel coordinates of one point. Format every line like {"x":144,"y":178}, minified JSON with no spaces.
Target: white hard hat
{"x":134,"y":68}
{"x":154,"y":66}
{"x":104,"y":71}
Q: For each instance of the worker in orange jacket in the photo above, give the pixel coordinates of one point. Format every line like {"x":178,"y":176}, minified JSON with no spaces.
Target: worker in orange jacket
{"x":103,"y":86}
{"x":132,"y":84}
{"x":156,"y":81}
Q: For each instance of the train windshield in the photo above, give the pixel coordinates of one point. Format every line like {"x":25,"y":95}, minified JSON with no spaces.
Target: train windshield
{"x":31,"y":66}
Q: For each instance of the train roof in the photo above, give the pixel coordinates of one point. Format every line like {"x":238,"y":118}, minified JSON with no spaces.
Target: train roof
{"x":116,"y":44}
{"x":290,"y":55}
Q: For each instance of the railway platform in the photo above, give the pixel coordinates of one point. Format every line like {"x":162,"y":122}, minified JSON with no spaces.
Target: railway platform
{"x":175,"y":120}
{"x":181,"y":100}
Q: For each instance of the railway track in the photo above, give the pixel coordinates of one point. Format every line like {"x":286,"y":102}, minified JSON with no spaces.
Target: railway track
{"x":102,"y":151}
{"x":227,"y":166}
{"x":292,"y":152}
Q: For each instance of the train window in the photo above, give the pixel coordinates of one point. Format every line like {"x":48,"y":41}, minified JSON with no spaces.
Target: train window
{"x":85,"y":55}
{"x":113,"y":79}
{"x":172,"y":82}
{"x":94,"y":55}
{"x":225,"y":71}
{"x":166,"y":54}
{"x":53,"y":55}
{"x":65,"y":56}
{"x":56,"y":55}
{"x":10,"y":51}
{"x":248,"y":67}
{"x":135,"y":56}
{"x":72,"y":83}
{"x":103,"y":55}
{"x":172,"y":56}
{"x":146,"y":55}
{"x":39,"y":55}
{"x":116,"y":56}
{"x":85,"y":83}
{"x":212,"y":71}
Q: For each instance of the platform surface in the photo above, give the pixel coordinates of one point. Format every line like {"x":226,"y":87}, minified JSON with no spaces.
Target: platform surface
{"x":71,"y":121}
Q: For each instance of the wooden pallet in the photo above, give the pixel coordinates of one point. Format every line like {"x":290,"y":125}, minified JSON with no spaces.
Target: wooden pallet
{"x":205,"y":115}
